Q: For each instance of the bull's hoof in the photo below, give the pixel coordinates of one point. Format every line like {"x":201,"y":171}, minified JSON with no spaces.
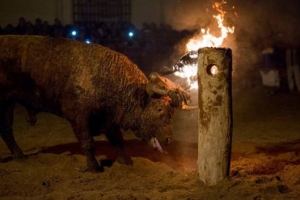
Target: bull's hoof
{"x":6,"y":159}
{"x":97,"y":169}
{"x":93,"y":167}
{"x":125,"y":160}
{"x":20,"y":156}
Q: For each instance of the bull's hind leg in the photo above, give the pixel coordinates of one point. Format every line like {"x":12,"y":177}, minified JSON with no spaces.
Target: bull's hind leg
{"x":6,"y":132}
{"x":115,"y":137}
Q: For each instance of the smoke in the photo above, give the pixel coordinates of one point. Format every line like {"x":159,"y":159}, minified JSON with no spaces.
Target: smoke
{"x":257,"y":17}
{"x":187,"y":14}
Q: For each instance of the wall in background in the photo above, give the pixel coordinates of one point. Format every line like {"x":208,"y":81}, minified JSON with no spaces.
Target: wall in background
{"x":12,"y":10}
{"x":147,"y":11}
{"x":142,"y":11}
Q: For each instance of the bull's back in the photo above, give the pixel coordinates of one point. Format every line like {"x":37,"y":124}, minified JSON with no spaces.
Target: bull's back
{"x":46,"y":60}
{"x":52,"y":69}
{"x":56,"y":61}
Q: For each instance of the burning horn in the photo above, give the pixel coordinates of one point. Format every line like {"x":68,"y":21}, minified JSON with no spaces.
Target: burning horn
{"x":163,"y":86}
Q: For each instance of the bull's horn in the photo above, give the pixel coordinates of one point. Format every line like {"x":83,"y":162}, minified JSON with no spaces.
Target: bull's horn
{"x":188,"y":108}
{"x":157,"y":85}
{"x":160,"y":85}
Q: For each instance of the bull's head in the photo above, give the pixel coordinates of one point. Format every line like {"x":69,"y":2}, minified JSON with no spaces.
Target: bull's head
{"x":157,"y":116}
{"x":157,"y":122}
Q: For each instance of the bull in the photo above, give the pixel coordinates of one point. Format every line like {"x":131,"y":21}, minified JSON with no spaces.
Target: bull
{"x":93,"y":87}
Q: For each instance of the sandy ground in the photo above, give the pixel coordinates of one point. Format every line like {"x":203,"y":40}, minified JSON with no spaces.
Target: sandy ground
{"x":265,"y":160}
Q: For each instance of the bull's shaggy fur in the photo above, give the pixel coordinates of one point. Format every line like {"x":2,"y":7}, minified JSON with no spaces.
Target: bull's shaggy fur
{"x":94,"y":88}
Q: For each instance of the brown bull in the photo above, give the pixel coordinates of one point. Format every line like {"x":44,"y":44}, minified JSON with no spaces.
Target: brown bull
{"x":94,"y":88}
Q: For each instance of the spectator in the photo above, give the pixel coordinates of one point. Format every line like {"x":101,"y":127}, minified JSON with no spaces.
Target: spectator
{"x":29,"y":28}
{"x":269,"y":71}
{"x":38,"y":26}
{"x":58,"y":32}
{"x":292,"y":66}
{"x":115,"y":28}
{"x":9,"y":30}
{"x":21,"y":27}
{"x":46,"y":29}
{"x":57,"y":28}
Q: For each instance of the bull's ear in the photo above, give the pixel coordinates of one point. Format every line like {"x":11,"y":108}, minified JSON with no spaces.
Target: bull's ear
{"x":144,"y":100}
{"x":142,"y":96}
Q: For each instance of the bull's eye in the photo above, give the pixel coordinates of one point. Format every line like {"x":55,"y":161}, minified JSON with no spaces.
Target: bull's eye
{"x":159,"y":110}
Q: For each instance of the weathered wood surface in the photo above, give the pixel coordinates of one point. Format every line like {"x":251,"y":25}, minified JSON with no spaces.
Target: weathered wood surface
{"x":215,"y":114}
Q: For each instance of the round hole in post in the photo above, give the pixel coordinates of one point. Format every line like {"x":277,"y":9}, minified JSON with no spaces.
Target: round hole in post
{"x":212,"y":69}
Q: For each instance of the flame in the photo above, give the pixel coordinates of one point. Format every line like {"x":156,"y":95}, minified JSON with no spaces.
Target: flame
{"x":209,"y":40}
{"x":205,"y":39}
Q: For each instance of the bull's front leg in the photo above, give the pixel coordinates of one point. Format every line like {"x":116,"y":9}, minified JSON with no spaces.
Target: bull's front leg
{"x":6,"y":132}
{"x":31,"y":117}
{"x":115,"y":137}
{"x":87,"y":144}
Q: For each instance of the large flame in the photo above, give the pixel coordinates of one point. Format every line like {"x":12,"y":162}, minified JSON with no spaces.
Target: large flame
{"x":205,"y":39}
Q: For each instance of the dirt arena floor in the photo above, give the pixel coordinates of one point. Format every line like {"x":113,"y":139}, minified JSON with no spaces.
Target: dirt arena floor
{"x":265,"y":161}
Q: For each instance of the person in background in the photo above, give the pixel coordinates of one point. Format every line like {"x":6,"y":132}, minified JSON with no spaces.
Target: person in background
{"x":269,"y":70}
{"x":9,"y":30}
{"x":38,"y":27}
{"x":292,"y":66}
{"x":21,"y":27}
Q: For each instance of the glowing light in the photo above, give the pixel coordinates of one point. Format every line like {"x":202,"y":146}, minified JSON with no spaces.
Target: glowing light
{"x":87,"y":41}
{"x":74,"y":33}
{"x":130,"y":34}
{"x":206,"y":39}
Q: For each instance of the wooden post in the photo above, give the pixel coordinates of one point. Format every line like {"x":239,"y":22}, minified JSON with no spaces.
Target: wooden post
{"x":215,"y":114}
